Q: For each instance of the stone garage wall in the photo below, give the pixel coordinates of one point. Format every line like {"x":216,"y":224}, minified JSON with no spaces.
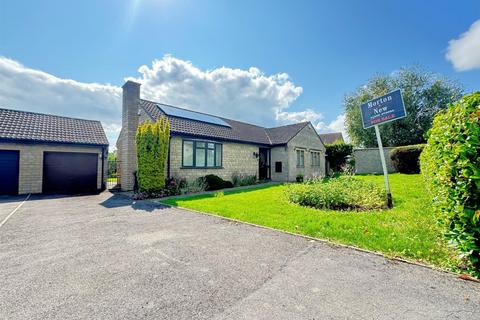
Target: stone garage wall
{"x":368,"y":160}
{"x":31,"y":162}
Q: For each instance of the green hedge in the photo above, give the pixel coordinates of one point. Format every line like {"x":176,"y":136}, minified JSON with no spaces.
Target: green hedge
{"x":152,"y":150}
{"x":406,"y":159}
{"x":337,"y":155}
{"x":450,"y":164}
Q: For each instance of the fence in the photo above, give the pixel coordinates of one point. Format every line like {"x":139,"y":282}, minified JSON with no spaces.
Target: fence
{"x":112,"y":176}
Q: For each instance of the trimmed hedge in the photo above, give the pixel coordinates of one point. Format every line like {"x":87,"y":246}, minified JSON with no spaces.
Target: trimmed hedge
{"x":152,"y":150}
{"x":406,"y":159}
{"x":450,"y":164}
{"x":337,"y":155}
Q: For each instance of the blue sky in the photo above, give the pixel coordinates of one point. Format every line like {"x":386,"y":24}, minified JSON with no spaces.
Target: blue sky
{"x":328,"y":48}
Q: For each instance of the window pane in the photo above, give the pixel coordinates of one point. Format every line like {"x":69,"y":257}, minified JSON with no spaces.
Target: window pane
{"x":210,"y":146}
{"x":199,"y":157}
{"x":188,"y":153}
{"x":200,"y":144}
{"x":218,"y":160}
{"x":210,"y":157}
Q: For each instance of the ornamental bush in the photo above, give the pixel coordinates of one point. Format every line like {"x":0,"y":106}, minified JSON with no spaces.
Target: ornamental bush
{"x":405,"y":159}
{"x":337,"y":155}
{"x":450,"y":164}
{"x":342,"y":193}
{"x":214,"y":182}
{"x":152,"y":150}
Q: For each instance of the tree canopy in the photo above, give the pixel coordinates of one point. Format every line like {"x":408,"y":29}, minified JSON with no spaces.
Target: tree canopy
{"x":424,"y":93}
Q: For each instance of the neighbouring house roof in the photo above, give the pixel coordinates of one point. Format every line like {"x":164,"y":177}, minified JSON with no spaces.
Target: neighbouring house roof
{"x":329,"y":138}
{"x":238,"y":131}
{"x":31,"y":126}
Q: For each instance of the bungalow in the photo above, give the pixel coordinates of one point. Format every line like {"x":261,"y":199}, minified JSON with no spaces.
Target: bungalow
{"x":202,"y":144}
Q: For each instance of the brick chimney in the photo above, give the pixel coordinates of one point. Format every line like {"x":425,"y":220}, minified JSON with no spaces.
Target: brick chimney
{"x":128,"y":151}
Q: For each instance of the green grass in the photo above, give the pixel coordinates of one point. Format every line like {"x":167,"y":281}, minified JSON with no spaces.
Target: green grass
{"x":409,"y":230}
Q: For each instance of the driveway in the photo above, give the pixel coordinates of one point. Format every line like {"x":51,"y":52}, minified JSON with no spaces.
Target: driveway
{"x":103,"y":257}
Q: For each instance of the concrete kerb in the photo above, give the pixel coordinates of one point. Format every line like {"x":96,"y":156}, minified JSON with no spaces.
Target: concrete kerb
{"x":259,"y":185}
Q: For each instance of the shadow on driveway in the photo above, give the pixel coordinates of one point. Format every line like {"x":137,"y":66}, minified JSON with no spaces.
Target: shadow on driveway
{"x":119,"y":200}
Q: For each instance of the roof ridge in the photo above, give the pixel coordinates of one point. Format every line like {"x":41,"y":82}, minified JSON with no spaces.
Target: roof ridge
{"x":304,"y":123}
{"x":48,"y":114}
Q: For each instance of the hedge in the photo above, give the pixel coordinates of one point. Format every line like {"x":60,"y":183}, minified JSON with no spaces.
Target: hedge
{"x":337,"y":155}
{"x":406,"y":159}
{"x":152,"y":150}
{"x":450,"y":164}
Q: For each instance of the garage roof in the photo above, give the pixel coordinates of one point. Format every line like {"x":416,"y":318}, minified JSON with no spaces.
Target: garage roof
{"x":31,"y":126}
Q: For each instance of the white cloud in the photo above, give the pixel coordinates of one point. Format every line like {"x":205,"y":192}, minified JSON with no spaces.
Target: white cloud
{"x":299,"y":116}
{"x":247,"y":95}
{"x":337,"y":125}
{"x":464,"y":52}
{"x":32,"y":90}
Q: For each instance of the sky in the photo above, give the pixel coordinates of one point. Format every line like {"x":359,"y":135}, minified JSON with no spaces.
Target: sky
{"x":265,"y":62}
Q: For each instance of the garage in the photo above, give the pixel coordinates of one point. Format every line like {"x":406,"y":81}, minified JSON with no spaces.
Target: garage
{"x":9,"y":172}
{"x":44,"y":153}
{"x":69,"y":172}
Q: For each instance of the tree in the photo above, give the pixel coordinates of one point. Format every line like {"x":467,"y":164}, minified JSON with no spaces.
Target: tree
{"x":152,"y":150}
{"x":424,"y":93}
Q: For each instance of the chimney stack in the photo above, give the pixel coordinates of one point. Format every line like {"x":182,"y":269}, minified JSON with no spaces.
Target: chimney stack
{"x":128,"y":148}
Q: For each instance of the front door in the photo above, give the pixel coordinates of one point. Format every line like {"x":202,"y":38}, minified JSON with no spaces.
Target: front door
{"x":264,"y":164}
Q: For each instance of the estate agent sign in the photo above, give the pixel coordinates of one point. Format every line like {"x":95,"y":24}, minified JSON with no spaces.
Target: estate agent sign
{"x":383,"y":109}
{"x":380,"y":110}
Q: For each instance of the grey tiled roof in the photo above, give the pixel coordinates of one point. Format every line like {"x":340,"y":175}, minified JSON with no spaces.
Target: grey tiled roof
{"x":22,"y":125}
{"x":238,"y":131}
{"x":329,"y":138}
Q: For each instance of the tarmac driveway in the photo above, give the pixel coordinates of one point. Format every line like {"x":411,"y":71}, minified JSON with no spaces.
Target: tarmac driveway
{"x":103,"y":257}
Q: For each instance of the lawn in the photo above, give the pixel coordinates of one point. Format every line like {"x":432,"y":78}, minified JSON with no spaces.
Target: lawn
{"x":409,"y":230}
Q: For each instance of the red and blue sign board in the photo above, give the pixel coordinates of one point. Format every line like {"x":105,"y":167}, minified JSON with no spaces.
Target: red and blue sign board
{"x":383,"y":109}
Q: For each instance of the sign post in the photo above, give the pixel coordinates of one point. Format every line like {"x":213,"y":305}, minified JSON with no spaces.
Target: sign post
{"x":380,"y":110}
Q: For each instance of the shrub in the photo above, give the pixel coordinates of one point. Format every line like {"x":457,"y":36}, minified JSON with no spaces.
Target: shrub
{"x":342,"y":193}
{"x":174,"y":186}
{"x":337,"y":154}
{"x":406,"y":158}
{"x":152,"y":150}
{"x":195,"y":186}
{"x":450,"y":164}
{"x":214,"y":182}
{"x":299,"y":177}
{"x":240,"y":179}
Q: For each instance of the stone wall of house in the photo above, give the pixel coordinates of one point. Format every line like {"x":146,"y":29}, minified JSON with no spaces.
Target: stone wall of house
{"x":237,"y":158}
{"x":31,"y":163}
{"x":279,"y":154}
{"x":368,"y":160}
{"x":309,"y":141}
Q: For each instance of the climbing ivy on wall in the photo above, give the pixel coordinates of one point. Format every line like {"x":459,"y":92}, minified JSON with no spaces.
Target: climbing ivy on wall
{"x":152,"y":150}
